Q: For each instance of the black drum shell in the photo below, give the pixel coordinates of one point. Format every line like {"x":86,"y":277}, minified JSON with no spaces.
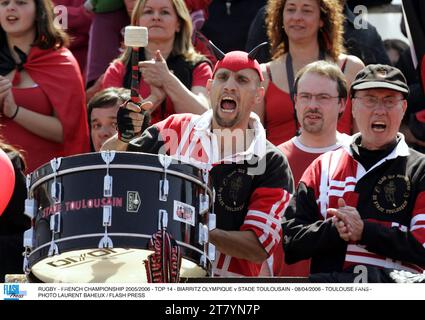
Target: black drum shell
{"x":81,"y":203}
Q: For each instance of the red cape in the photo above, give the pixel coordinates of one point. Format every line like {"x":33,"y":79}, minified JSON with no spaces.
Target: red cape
{"x":58,"y":75}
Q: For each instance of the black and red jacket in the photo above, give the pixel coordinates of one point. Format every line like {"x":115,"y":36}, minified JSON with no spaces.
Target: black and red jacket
{"x":390,"y":198}
{"x":253,"y":188}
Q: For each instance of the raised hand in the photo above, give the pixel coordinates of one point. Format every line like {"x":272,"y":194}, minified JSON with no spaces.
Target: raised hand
{"x":132,"y":119}
{"x":155,"y":72}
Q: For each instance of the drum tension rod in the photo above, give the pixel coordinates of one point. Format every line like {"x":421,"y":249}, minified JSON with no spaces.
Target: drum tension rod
{"x":203,"y":234}
{"x":30,"y":211}
{"x":204,"y":199}
{"x":56,"y":194}
{"x":56,"y":190}
{"x":162,"y":219}
{"x":204,"y":206}
{"x":163,"y":184}
{"x":28,"y":244}
{"x":55,"y":221}
{"x":106,"y":242}
{"x":30,"y":204}
{"x":107,"y":156}
{"x":212,"y":224}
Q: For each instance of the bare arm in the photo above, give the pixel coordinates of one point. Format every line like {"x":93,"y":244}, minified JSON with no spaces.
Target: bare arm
{"x":157,"y":96}
{"x":184,"y":100}
{"x":238,"y":244}
{"x":47,"y":127}
{"x":156,"y":73}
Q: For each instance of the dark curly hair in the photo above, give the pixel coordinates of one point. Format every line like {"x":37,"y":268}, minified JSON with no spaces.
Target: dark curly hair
{"x":330,"y":36}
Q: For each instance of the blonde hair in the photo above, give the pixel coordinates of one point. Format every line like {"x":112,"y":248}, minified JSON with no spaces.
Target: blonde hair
{"x":183,"y":38}
{"x":330,"y":36}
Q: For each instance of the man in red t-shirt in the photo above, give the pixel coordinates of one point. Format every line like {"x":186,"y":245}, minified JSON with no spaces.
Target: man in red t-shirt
{"x":321,"y":93}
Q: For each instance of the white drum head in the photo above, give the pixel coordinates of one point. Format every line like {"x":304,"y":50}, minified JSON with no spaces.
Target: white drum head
{"x":115,"y":265}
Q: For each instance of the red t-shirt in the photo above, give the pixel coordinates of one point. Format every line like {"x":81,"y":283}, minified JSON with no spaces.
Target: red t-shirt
{"x":114,"y":77}
{"x":299,"y":158}
{"x":279,"y":116}
{"x":37,"y":150}
{"x":59,"y":91}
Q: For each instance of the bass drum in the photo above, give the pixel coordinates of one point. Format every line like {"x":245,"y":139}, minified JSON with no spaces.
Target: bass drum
{"x":94,"y":215}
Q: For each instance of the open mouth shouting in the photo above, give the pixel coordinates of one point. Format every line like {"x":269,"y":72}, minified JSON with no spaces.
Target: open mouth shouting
{"x":228,"y":104}
{"x":378,"y":126}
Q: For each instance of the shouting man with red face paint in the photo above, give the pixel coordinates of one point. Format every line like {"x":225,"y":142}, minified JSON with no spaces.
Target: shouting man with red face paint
{"x":251,"y":177}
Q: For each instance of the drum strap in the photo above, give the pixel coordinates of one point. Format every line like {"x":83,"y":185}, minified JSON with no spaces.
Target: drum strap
{"x":163,"y":265}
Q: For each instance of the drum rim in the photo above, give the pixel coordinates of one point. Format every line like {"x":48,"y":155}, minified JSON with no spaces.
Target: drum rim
{"x":114,"y":234}
{"x":118,"y":166}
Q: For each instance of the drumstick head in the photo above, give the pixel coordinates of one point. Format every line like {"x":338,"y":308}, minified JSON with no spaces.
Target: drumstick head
{"x":136,"y":36}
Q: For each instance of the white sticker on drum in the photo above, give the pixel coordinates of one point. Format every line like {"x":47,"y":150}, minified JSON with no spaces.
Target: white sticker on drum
{"x":184,"y":212}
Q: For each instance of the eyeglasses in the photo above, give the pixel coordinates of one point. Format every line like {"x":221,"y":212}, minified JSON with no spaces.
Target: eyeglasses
{"x":372,"y":101}
{"x":322,"y":99}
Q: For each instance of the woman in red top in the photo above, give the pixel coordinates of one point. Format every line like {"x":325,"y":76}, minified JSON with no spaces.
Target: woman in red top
{"x":300,"y":32}
{"x":42,"y":99}
{"x":174,"y":76}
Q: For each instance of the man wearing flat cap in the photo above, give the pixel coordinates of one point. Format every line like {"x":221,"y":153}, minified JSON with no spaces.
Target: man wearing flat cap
{"x":363,"y":204}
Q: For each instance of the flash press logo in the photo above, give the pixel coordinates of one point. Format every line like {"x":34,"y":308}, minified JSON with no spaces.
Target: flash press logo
{"x":12,"y":292}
